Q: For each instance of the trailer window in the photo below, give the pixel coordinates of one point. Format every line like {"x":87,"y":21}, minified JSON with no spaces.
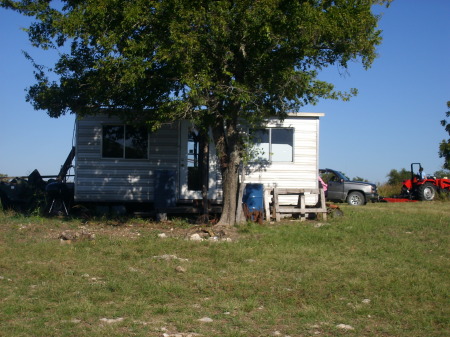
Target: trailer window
{"x":273,"y":144}
{"x":124,"y":141}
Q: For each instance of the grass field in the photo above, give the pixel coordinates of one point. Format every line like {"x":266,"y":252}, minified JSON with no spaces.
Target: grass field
{"x":380,"y":270}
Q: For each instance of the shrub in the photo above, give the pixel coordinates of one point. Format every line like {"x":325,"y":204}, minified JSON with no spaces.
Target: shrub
{"x":390,"y":190}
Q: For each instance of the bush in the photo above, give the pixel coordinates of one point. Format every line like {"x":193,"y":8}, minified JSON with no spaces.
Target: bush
{"x":443,"y":195}
{"x":390,"y":190}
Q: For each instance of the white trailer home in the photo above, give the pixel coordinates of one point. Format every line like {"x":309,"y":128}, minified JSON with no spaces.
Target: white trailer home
{"x":117,"y":163}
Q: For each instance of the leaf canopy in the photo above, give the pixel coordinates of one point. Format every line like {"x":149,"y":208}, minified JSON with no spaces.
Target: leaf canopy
{"x":161,"y":60}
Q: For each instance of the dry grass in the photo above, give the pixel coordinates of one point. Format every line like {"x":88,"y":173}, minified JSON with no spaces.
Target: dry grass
{"x":381,"y":270}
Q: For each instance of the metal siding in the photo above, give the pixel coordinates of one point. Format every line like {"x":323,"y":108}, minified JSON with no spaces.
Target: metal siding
{"x":106,"y":179}
{"x":303,"y":171}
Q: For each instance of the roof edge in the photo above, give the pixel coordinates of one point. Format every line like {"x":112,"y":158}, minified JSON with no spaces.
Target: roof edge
{"x":305,"y":114}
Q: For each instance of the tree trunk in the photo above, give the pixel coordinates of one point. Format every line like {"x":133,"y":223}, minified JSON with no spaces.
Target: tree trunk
{"x":230,"y":187}
{"x":226,"y":138}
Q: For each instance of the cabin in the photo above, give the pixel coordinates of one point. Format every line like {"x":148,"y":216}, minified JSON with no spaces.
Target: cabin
{"x":120,"y":164}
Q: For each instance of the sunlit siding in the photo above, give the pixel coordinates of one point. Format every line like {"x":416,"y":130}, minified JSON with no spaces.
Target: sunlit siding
{"x":302,"y":172}
{"x":103,"y":179}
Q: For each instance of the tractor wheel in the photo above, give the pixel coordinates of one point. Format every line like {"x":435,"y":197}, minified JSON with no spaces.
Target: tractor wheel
{"x":355,"y":199}
{"x":426,"y":192}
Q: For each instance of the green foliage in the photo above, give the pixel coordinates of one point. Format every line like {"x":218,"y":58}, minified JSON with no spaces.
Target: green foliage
{"x":169,"y":59}
{"x":357,"y":178}
{"x":442,"y":174}
{"x":444,"y":146}
{"x":396,"y":177}
{"x":390,"y":190}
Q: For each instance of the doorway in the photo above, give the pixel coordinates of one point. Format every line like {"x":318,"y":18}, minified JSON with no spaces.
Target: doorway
{"x":191,"y":157}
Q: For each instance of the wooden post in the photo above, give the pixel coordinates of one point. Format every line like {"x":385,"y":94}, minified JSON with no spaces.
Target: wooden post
{"x":267,"y":193}
{"x":276,"y":206}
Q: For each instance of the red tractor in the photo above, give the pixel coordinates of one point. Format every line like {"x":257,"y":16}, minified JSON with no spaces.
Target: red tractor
{"x":420,"y":187}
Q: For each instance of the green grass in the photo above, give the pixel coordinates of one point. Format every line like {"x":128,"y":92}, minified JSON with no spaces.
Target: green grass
{"x":382,"y":269}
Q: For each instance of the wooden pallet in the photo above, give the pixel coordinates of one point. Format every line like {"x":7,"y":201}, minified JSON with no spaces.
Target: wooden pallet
{"x":301,"y":209}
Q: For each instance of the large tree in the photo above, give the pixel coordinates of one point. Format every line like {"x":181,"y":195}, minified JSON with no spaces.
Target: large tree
{"x":444,"y":146}
{"x":216,"y":63}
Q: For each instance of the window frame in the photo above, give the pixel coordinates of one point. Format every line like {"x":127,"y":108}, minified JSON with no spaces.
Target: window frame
{"x":270,"y":151}
{"x":123,"y":142}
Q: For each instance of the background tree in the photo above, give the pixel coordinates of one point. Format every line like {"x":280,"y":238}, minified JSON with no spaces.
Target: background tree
{"x":397,"y":177}
{"x":444,"y":147}
{"x":442,"y":174}
{"x":216,"y":63}
{"x":358,"y":178}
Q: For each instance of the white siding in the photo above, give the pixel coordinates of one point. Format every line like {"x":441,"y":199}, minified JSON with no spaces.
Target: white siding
{"x":303,"y":171}
{"x":103,"y":179}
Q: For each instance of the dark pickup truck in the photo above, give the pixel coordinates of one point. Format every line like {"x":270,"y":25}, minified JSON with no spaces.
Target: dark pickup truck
{"x":341,"y":189}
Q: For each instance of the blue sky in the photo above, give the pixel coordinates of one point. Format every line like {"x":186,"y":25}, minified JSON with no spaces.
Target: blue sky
{"x":394,"y":120}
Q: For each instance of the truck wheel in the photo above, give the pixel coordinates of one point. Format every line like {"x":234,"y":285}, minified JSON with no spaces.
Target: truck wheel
{"x":355,"y":199}
{"x":426,"y":192}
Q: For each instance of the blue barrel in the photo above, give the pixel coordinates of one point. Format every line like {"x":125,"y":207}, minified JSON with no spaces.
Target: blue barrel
{"x":253,"y":197}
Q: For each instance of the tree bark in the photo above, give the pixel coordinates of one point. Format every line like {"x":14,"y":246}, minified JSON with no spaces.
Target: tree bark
{"x":226,"y":138}
{"x":229,"y":187}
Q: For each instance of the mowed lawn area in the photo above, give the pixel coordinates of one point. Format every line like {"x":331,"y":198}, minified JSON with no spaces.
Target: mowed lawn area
{"x":380,"y":270}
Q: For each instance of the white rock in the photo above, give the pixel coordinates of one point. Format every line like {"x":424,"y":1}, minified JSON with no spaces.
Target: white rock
{"x":168,"y":257}
{"x":345,"y":327}
{"x":195,"y":237}
{"x":205,"y":320}
{"x":111,"y":320}
{"x":366,"y":301}
{"x":162,"y":235}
